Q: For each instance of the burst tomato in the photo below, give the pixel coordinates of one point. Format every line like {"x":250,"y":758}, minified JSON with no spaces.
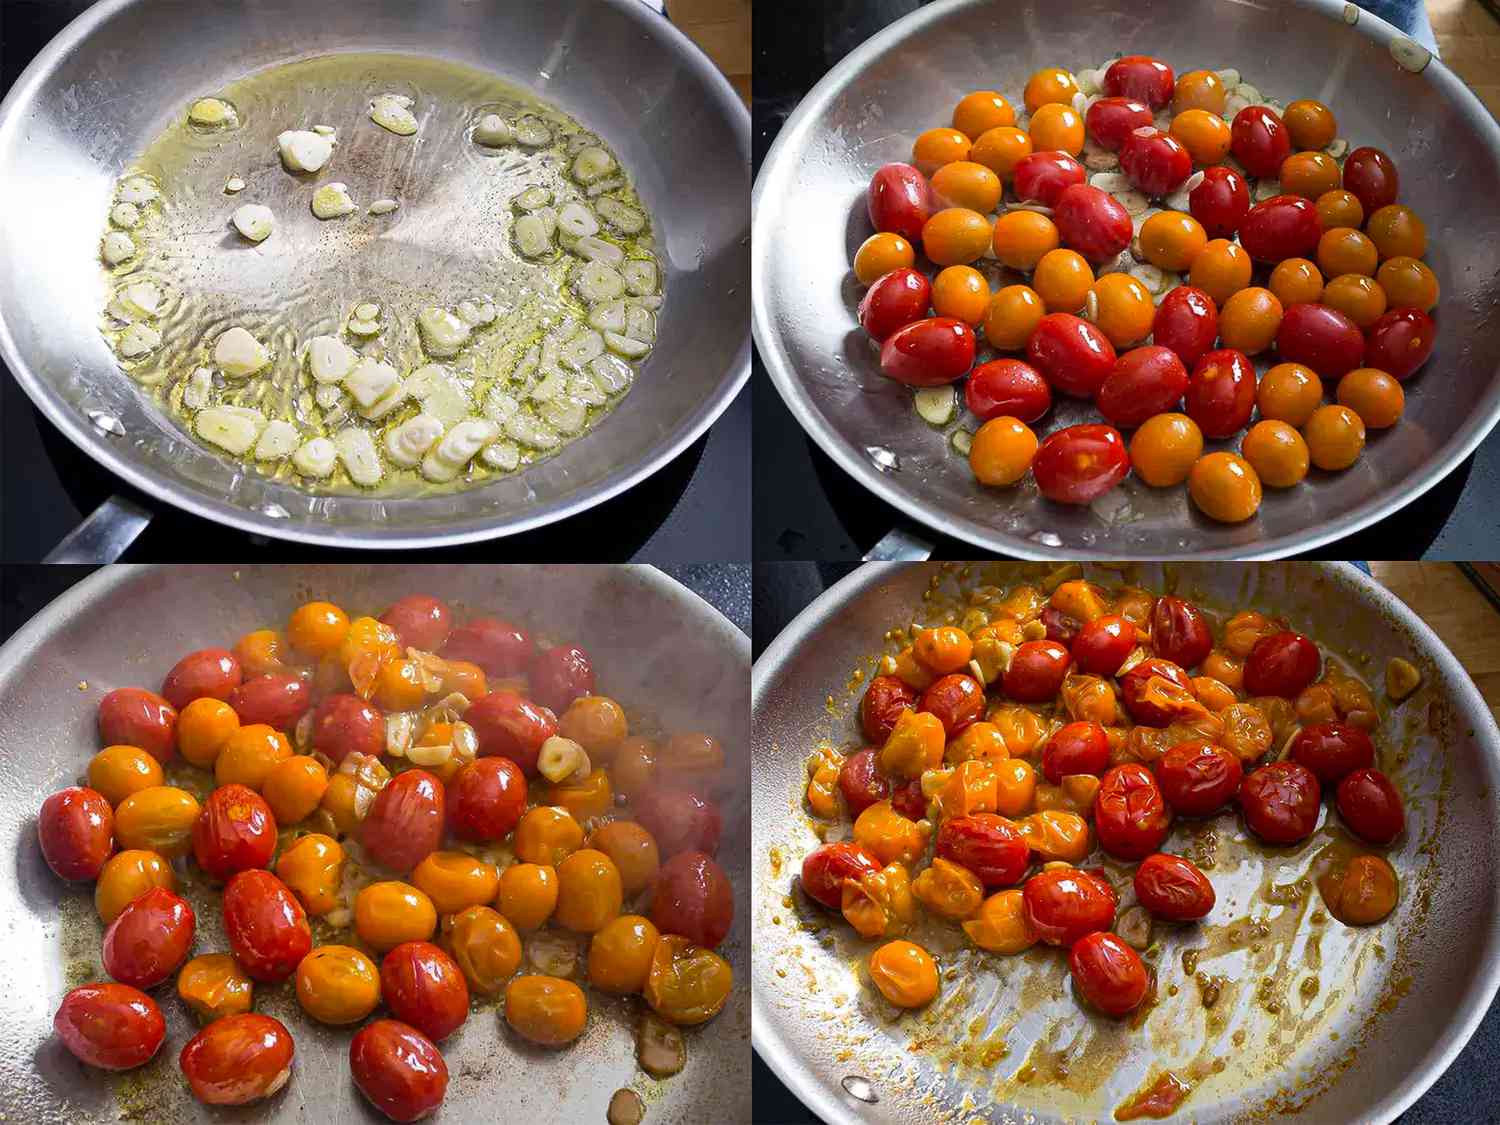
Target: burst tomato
{"x":825,"y":869}
{"x":235,"y":832}
{"x":989,"y":846}
{"x":1281,"y":802}
{"x":1173,"y":888}
{"x":1064,"y":904}
{"x":1130,"y":815}
{"x":405,"y":824}
{"x":111,"y":1026}
{"x":1198,"y":778}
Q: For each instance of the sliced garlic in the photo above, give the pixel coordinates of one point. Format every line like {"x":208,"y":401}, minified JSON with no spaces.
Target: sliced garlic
{"x":608,"y":316}
{"x":443,"y":332}
{"x":962,"y":441}
{"x":640,"y":325}
{"x":597,"y":250}
{"x":199,"y":388}
{"x":1266,"y":189}
{"x":330,"y":359}
{"x":215,"y":113}
{"x":228,"y":428}
{"x":492,"y":131}
{"x":369,"y":380}
{"x":577,"y":220}
{"x":137,"y":300}
{"x":255,"y":221}
{"x":530,"y":431}
{"x":532,"y":238}
{"x":406,"y":443}
{"x":1110,"y":182}
{"x":621,"y":216}
{"x":550,"y":386}
{"x":138,"y":340}
{"x":440,"y":393}
{"x":586,"y":391}
{"x":596,"y":281}
{"x":591,"y":164}
{"x":625,"y":346}
{"x":1337,"y":148}
{"x":640,"y":276}
{"x":302,"y":150}
{"x":383,"y":206}
{"x":136,"y":189}
{"x":560,"y":758}
{"x":457,"y":448}
{"x":532,"y":133}
{"x":477,"y":312}
{"x":118,"y":247}
{"x":498,"y":406}
{"x":1133,"y":201}
{"x":502,"y":455}
{"x":279,"y":439}
{"x":332,"y":201}
{"x":935,"y":405}
{"x":126,"y":215}
{"x":238,"y":354}
{"x":533,"y":198}
{"x":234,"y":185}
{"x":611,"y":373}
{"x":356,"y":449}
{"x":316,"y":458}
{"x":578,"y":352}
{"x":392,"y":112}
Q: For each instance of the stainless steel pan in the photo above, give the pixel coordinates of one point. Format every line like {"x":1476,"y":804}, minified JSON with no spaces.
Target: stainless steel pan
{"x":653,"y":642}
{"x":810,"y":216}
{"x":1393,"y":1007}
{"x":107,"y":85}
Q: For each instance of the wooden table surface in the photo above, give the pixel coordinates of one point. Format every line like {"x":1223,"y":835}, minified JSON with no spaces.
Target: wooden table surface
{"x":722,"y":29}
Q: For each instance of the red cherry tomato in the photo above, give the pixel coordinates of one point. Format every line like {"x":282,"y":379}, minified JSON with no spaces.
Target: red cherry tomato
{"x":1111,"y":120}
{"x":1156,"y":692}
{"x":680,"y":821}
{"x":1108,"y":973}
{"x":266,"y":926}
{"x":405,"y":824}
{"x":1333,"y":750}
{"x":1221,"y":202}
{"x":76,"y":829}
{"x":1145,"y":381}
{"x":423,"y":622}
{"x":884,"y":700}
{"x":991,"y":847}
{"x":1078,"y":464}
{"x":1072,"y":355}
{"x":1155,"y":162}
{"x":1173,"y":888}
{"x":1282,"y":664}
{"x":208,"y":673}
{"x":345,"y":724}
{"x":398,"y":1070}
{"x":861,"y":782}
{"x":1130,"y":815}
{"x":1260,"y":141}
{"x":424,"y":987}
{"x":1064,"y":904}
{"x":1321,"y":338}
{"x":149,"y":939}
{"x":1093,"y":222}
{"x":693,"y":897}
{"x":111,"y":1026}
{"x":928,"y":353}
{"x":503,"y":650}
{"x":1036,"y":673}
{"x":1198,"y":778}
{"x":900,"y":201}
{"x":899,"y":298}
{"x":957,"y":700}
{"x":235,"y":832}
{"x":1043,"y":176}
{"x":511,"y":726}
{"x":1221,"y":392}
{"x":1370,"y":175}
{"x":1081,"y":747}
{"x":1187,"y":322}
{"x":560,"y":675}
{"x":1281,"y":802}
{"x":1060,"y":627}
{"x":277,"y":699}
{"x":1007,"y":388}
{"x":238,"y":1059}
{"x":1180,"y":632}
{"x":1103,"y":644}
{"x":909,"y":801}
{"x":1284,"y":226}
{"x":1399,"y":342}
{"x":136,"y":717}
{"x":486,"y":799}
{"x":1370,"y":806}
{"x":825,"y":869}
{"x":1141,"y":77}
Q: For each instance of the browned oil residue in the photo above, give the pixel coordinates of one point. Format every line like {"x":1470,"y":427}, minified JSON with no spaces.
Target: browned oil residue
{"x":1160,"y":1099}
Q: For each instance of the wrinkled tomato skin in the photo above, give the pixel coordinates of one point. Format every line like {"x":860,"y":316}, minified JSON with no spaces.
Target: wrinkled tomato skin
{"x":861,"y":782}
{"x":1064,"y":904}
{"x":1399,"y":342}
{"x":1155,"y":162}
{"x":1071,"y":354}
{"x":208,"y":673}
{"x":136,"y":717}
{"x":991,"y":847}
{"x":1371,"y":806}
{"x":1145,"y":381}
{"x":1140,"y":77}
{"x":149,"y":939}
{"x":277,"y":699}
{"x":345,"y":724}
{"x":267,"y":928}
{"x":1079,"y":464}
{"x":693,"y":897}
{"x":1284,"y":226}
{"x":1007,"y":388}
{"x":560,"y":675}
{"x":900,"y":201}
{"x":1037,"y":670}
{"x":883,"y":702}
{"x":424,"y":987}
{"x":1060,"y":627}
{"x":1130,"y":815}
{"x":502,"y":649}
{"x":1220,"y":203}
{"x":1333,"y":750}
{"x":398,"y":1070}
{"x":928,"y":353}
{"x":235,"y":832}
{"x":1043,"y":176}
{"x":1198,"y":778}
{"x":1173,"y":888}
{"x":1103,"y":644}
{"x":511,"y":726}
{"x":238,"y":1059}
{"x":421,"y":622}
{"x":1080,"y":747}
{"x":485,"y":799}
{"x":1186,"y":322}
{"x":680,"y":821}
{"x":76,"y":831}
{"x":895,"y":300}
{"x":1111,"y":120}
{"x":1281,"y":802}
{"x":111,"y":1026}
{"x":909,"y":801}
{"x":825,"y":869}
{"x":1093,"y":222}
{"x":405,"y":824}
{"x":1108,"y":973}
{"x":957,"y":700}
{"x":1180,"y":632}
{"x":1282,"y":664}
{"x":1221,"y":392}
{"x":1260,"y":141}
{"x":1134,"y":691}
{"x":1321,"y":338}
{"x":1370,"y":175}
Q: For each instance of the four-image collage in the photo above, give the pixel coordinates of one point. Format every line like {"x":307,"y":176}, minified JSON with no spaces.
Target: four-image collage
{"x":750,"y":562}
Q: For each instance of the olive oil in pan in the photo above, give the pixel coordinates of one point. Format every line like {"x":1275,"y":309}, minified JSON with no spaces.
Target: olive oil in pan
{"x":451,"y":239}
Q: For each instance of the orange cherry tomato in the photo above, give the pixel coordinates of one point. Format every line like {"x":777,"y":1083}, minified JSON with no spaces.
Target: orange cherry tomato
{"x":965,"y":183}
{"x":1021,"y":238}
{"x":1296,"y":281}
{"x":1049,"y":86}
{"x":1310,"y":123}
{"x":126,"y":876}
{"x":633,"y":850}
{"x":548,"y":1011}
{"x":948,"y":890}
{"x":316,"y":629}
{"x":962,"y":293}
{"x":955,"y":236}
{"x":686,"y":985}
{"x":597,"y":723}
{"x":587,"y":798}
{"x":1289,"y":392}
{"x":1346,"y":250}
{"x":881,"y":253}
{"x":204,"y":728}
{"x":1012,"y":317}
{"x":118,"y":771}
{"x":262,"y":653}
{"x":399,"y":686}
{"x":1224,"y":487}
{"x":1171,"y":240}
{"x":1221,"y":270}
{"x":1335,"y":437}
{"x":1000,"y":149}
{"x":620,"y":954}
{"x":979,"y":112}
{"x":1311,"y":175}
{"x":937,"y":147}
{"x":1249,"y":319}
{"x":486,"y":947}
{"x":1126,"y":309}
{"x":1363,"y":892}
{"x":1055,"y":127}
{"x":528,"y":894}
{"x":214,"y":986}
{"x":1408,"y":284}
{"x":337,"y":984}
{"x":1276,"y":452}
{"x":312,"y":866}
{"x":159,"y":819}
{"x":1374,"y":395}
{"x":1002,"y":451}
{"x":1340,"y":208}
{"x":547,"y":835}
{"x":905,"y":974}
{"x":1164,"y":448}
{"x":1062,"y":280}
{"x":250,"y":755}
{"x":1200,"y":89}
{"x":589,"y":893}
{"x":1357,"y":296}
{"x":455,"y":881}
{"x":1397,"y":232}
{"x":389,"y":913}
{"x":1204,"y":133}
{"x":1001,"y":925}
{"x":294,"y":787}
{"x":943,"y":648}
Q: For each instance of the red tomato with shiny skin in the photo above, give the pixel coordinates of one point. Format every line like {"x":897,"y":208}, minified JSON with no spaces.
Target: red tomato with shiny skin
{"x":1146,"y":381}
{"x":1007,"y":388}
{"x":1399,"y":342}
{"x":1198,"y":778}
{"x":136,"y":717}
{"x":149,"y":938}
{"x":398,"y":1070}
{"x":991,"y":847}
{"x":1155,"y":162}
{"x":1092,"y":221}
{"x":405,"y":823}
{"x":825,"y":869}
{"x":1371,"y":806}
{"x":680,"y":821}
{"x":211,"y":673}
{"x":1072,"y":355}
{"x":1173,"y":888}
{"x":76,"y":829}
{"x":236,"y":831}
{"x":1108,"y":973}
{"x":909,"y":801}
{"x":1180,"y":632}
{"x":1103,"y":644}
{"x":511,"y":726}
{"x":1187,"y":322}
{"x":421,"y":622}
{"x":900,"y":201}
{"x":345,"y":724}
{"x":1284,"y":226}
{"x":238,"y":1059}
{"x":1333,"y":750}
{"x":883,"y":702}
{"x":957,"y":700}
{"x":1080,"y":747}
{"x":502,"y":649}
{"x":1060,"y":626}
{"x":277,"y":699}
{"x":1281,"y":802}
{"x":1130,"y":815}
{"x":1221,"y":202}
{"x":1078,"y":464}
{"x":111,"y":1026}
{"x":693,"y":897}
{"x":1140,"y":77}
{"x":928,"y":353}
{"x":1036,"y":673}
{"x":1156,"y":692}
{"x":1110,"y":120}
{"x":424,"y":987}
{"x":1370,"y":175}
{"x":1043,"y":176}
{"x":266,"y":925}
{"x":485,"y":799}
{"x":1064,"y":904}
{"x":1282,"y":664}
{"x":560,"y":675}
{"x":895,"y":300}
{"x":1321,"y":338}
{"x":861,"y":781}
{"x":1221,"y":392}
{"x":1260,"y":141}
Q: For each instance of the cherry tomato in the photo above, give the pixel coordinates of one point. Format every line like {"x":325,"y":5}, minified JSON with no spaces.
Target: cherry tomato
{"x":962,"y":293}
{"x":1186,"y":322}
{"x":1078,"y":464}
{"x":1284,"y":226}
{"x":928,"y":353}
{"x":1399,"y":342}
{"x":1173,"y":888}
{"x":424,"y":988}
{"x":1345,"y":250}
{"x":1043,"y":176}
{"x":1145,"y":381}
{"x":1108,"y":973}
{"x":1408,"y":283}
{"x":980,"y":111}
{"x":1220,"y":202}
{"x":111,"y":1026}
{"x":1200,"y":89}
{"x":900,"y":201}
{"x":1049,"y":86}
{"x":1249,"y":319}
{"x":894,"y":301}
{"x":1077,"y":748}
{"x":76,"y":831}
{"x":1281,"y":664}
{"x":1204,"y":133}
{"x":398,"y":1070}
{"x":1000,"y":149}
{"x":1335,"y":435}
{"x":238,"y":1059}
{"x":693,"y":898}
{"x":1072,"y":355}
{"x":1372,"y":394}
{"x":345,"y":724}
{"x":909,"y":801}
{"x":861,"y":781}
{"x":1057,"y":127}
{"x":1198,"y":778}
{"x":1221,"y":393}
{"x":208,"y":673}
{"x":1165,"y":448}
{"x":1140,"y":77}
{"x":485,"y":799}
{"x":405,"y":824}
{"x":1022,"y":238}
{"x":1155,"y":162}
{"x":1179,"y":632}
{"x":1103,"y":644}
{"x":1370,"y":806}
{"x":883,"y":702}
{"x":1111,"y":120}
{"x":136,"y":717}
{"x":1296,"y":281}
{"x":559,"y":675}
{"x":680,"y":821}
{"x":880,"y":254}
{"x":1323,"y":339}
{"x":1224,"y":487}
{"x":1310,"y":123}
{"x":266,"y":926}
{"x":1060,"y":626}
{"x":422,"y":622}
{"x":989,"y":846}
{"x":1340,"y":208}
{"x":1007,"y":388}
{"x":956,"y":236}
{"x":149,"y":939}
{"x":277,"y":699}
{"x":1036,"y":673}
{"x":957,"y":700}
{"x":511,"y":726}
{"x":1093,"y":222}
{"x":1333,"y":750}
{"x":1281,"y":802}
{"x":1156,"y":691}
{"x":235,"y":832}
{"x":825,"y":869}
{"x":1371,"y":176}
{"x":1064,"y":904}
{"x":1130,"y":815}
{"x":1259,"y":141}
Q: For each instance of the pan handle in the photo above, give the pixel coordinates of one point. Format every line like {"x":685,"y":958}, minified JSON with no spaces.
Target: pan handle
{"x":898,"y":545}
{"x":104,"y":536}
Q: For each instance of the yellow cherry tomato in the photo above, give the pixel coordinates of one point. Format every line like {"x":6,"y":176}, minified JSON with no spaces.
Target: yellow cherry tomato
{"x":1249,"y":319}
{"x":956,"y":236}
{"x":1276,"y":452}
{"x":1310,"y":123}
{"x":262,"y":652}
{"x":1200,"y":89}
{"x":1340,"y":208}
{"x":337,"y":984}
{"x":948,"y":890}
{"x":1164,"y":448}
{"x":1055,"y":127}
{"x":686,"y":985}
{"x":548,"y":1011}
{"x":1289,"y":392}
{"x":1021,"y":238}
{"x":1049,"y":86}
{"x":1296,"y":281}
{"x":1001,"y":925}
{"x":528,"y":894}
{"x":126,"y":876}
{"x":589,"y":893}
{"x":250,"y":755}
{"x":1002,"y":451}
{"x":399,"y":686}
{"x":1357,"y":296}
{"x":905,"y":974}
{"x":881,"y":253}
{"x":1374,"y":395}
{"x":587,"y":798}
{"x":1408,"y":283}
{"x":962,"y":293}
{"x":316,"y":629}
{"x":633,"y":850}
{"x":620,"y":953}
{"x":937,"y":147}
{"x":214,"y":986}
{"x":1000,"y":149}
{"x":1335,"y":437}
{"x":1346,"y":250}
{"x":486,"y":947}
{"x":1311,"y":175}
{"x":118,"y":771}
{"x":1012,"y":317}
{"x":1125,"y":309}
{"x":456,"y":880}
{"x":158,"y":819}
{"x":312,"y":867}
{"x":965,"y":183}
{"x":294,"y":787}
{"x":1221,"y":270}
{"x":389,"y":913}
{"x":597,"y":723}
{"x":204,"y":728}
{"x":1397,"y":232}
{"x":1204,"y":133}
{"x":547,"y":835}
{"x":1224,"y":487}
{"x":979,"y":112}
{"x":1171,"y":240}
{"x":1062,"y":280}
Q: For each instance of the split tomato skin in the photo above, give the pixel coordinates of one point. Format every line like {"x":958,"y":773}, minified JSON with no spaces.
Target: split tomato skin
{"x":236,"y":831}
{"x":989,"y":846}
{"x":1180,"y":632}
{"x":1173,"y":888}
{"x":900,"y":201}
{"x":1130,"y":815}
{"x":825,"y":869}
{"x":1281,"y":802}
{"x":1198,"y":778}
{"x":861,"y":781}
{"x":883,"y":702}
{"x":901,"y":297}
{"x":1333,"y":750}
{"x":1221,"y":202}
{"x":928,"y":353}
{"x":238,"y":1059}
{"x":1157,"y":691}
{"x":1065,"y":904}
{"x":1092,"y":222}
{"x":1078,"y":464}
{"x":110,"y":1026}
